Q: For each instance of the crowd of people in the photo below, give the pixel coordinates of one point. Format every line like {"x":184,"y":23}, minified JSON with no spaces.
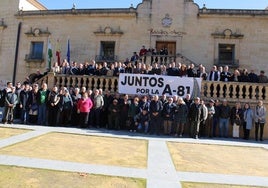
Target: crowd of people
{"x":157,"y":115}
{"x":172,"y":69}
{"x":84,"y":108}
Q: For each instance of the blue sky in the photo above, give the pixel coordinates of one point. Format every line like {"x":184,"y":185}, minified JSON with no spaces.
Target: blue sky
{"x":80,"y":4}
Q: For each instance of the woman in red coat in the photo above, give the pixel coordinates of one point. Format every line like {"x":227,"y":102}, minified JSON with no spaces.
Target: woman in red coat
{"x":84,"y":106}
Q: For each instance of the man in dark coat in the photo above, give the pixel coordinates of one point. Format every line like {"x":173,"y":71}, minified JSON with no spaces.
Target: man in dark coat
{"x":195,"y":117}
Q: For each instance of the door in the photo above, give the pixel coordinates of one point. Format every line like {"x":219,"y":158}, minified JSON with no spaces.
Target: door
{"x":168,"y":46}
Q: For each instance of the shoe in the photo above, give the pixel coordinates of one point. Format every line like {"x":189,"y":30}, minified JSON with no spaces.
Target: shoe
{"x":180,"y":135}
{"x":261,"y":139}
{"x":196,"y":137}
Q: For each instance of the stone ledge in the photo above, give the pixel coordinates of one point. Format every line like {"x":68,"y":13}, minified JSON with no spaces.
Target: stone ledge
{"x":240,"y":12}
{"x":77,"y":12}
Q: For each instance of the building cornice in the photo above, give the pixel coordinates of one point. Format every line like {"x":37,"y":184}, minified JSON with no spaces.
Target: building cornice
{"x":232,"y":12}
{"x":73,"y":11}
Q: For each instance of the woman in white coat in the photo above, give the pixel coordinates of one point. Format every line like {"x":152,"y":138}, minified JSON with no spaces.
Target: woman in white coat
{"x":248,"y":120}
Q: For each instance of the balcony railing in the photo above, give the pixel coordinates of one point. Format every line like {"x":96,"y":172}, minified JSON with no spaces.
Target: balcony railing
{"x":166,"y":59}
{"x":232,"y":91}
{"x":162,"y":59}
{"x":33,"y":58}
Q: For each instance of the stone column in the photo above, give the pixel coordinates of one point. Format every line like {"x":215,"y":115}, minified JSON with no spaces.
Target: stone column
{"x":50,"y":79}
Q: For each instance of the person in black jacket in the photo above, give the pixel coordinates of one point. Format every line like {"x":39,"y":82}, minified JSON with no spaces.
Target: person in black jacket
{"x":24,"y":104}
{"x":195,"y":117}
{"x":53,"y":106}
{"x":168,"y":115}
{"x":224,"y":116}
{"x":155,"y":114}
{"x":225,"y":76}
{"x":11,"y":99}
{"x":75,"y":97}
{"x":216,"y":117}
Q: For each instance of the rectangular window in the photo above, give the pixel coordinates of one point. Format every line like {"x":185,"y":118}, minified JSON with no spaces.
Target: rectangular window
{"x":107,"y":49}
{"x":37,"y":50}
{"x":226,"y":53}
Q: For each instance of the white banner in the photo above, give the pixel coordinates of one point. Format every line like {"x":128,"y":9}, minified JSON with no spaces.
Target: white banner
{"x":143,"y":84}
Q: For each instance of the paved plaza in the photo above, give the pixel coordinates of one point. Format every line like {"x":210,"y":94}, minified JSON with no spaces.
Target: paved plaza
{"x":160,"y":171}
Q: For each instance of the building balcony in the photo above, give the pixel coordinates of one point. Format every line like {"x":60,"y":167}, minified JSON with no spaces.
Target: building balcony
{"x":34,"y":61}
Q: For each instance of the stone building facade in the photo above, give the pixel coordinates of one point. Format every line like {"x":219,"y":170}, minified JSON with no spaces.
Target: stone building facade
{"x":209,"y":36}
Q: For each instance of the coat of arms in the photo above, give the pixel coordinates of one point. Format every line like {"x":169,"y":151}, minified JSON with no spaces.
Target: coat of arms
{"x":167,"y":21}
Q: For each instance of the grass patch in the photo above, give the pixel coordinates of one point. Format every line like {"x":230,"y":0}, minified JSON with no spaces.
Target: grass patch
{"x":219,"y":159}
{"x":211,"y":185}
{"x":8,"y":132}
{"x":26,"y":177}
{"x":83,"y":149}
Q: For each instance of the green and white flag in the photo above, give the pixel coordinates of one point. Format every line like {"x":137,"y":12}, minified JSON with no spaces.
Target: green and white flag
{"x":49,"y":53}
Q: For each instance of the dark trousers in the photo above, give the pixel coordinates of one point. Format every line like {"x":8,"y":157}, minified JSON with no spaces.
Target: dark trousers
{"x":65,"y":117}
{"x":42,"y":114}
{"x":75,"y":117}
{"x":132,"y":124}
{"x":123,"y":121}
{"x":104,"y":118}
{"x":53,"y":115}
{"x":202,"y":129}
{"x":17,"y":111}
{"x":95,"y":117}
{"x":179,"y":127}
{"x":246,"y":131}
{"x":195,"y":129}
{"x":209,"y":127}
{"x":257,"y":127}
{"x":187,"y":127}
{"x":83,"y":116}
{"x":24,"y":117}
{"x":155,"y":124}
{"x":215,"y":126}
{"x":113,"y":121}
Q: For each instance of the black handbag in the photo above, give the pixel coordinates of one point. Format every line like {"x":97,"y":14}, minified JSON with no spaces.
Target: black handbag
{"x":237,"y":121}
